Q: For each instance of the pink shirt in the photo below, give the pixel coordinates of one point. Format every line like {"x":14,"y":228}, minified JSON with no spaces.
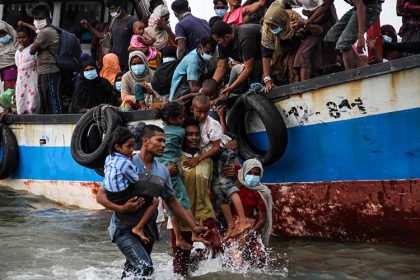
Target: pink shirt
{"x":234,"y":18}
{"x":136,"y":44}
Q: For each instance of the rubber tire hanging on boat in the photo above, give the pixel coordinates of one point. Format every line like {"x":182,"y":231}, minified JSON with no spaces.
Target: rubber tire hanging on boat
{"x":10,"y":160}
{"x":88,"y":146}
{"x":273,"y":123}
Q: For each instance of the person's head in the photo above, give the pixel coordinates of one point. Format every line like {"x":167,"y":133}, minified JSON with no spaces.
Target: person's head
{"x":210,"y":88}
{"x":138,"y":27}
{"x":192,"y":135}
{"x":139,"y":65}
{"x":251,"y":173}
{"x":172,"y":113}
{"x":122,"y":142}
{"x":6,"y":33}
{"x":213,"y":20}
{"x":42,"y":15}
{"x":207,"y":47}
{"x":117,"y":83}
{"x":89,"y":70}
{"x":25,"y":36}
{"x":234,"y":3}
{"x":223,"y":33}
{"x":168,"y":53}
{"x":153,"y":140}
{"x":220,"y":7}
{"x":278,"y":21}
{"x":200,"y":107}
{"x":116,"y":8}
{"x":233,"y":142}
{"x":180,"y":7}
{"x":389,"y":33}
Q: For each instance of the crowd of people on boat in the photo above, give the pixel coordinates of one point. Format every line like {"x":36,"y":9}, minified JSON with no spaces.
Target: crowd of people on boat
{"x":139,"y":63}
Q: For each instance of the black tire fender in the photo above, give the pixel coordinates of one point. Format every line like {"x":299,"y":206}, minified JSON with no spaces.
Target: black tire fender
{"x":273,"y":123}
{"x":89,"y":146}
{"x":10,"y":160}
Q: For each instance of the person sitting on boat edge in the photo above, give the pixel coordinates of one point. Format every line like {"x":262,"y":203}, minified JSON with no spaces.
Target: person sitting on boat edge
{"x":138,"y":261}
{"x":8,"y":46}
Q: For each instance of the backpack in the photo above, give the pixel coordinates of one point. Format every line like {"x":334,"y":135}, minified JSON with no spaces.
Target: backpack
{"x":163,"y":77}
{"x":68,"y":59}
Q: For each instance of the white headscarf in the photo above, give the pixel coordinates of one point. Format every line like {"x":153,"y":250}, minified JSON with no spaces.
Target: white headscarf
{"x":305,"y":4}
{"x":265,"y":194}
{"x":7,"y":51}
{"x":153,"y":31}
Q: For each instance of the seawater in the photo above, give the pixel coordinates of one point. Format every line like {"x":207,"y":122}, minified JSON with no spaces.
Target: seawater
{"x":40,"y":239}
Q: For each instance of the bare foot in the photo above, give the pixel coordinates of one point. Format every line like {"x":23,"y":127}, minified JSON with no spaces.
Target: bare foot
{"x":241,"y":227}
{"x":229,"y":234}
{"x":195,"y":238}
{"x":140,"y":233}
{"x":183,"y":244}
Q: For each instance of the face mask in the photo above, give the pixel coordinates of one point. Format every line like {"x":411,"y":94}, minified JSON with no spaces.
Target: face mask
{"x":387,"y":39}
{"x":276,"y":31}
{"x":138,"y":69}
{"x":116,"y":13}
{"x":251,"y":180}
{"x":118,"y":86}
{"x":168,"y":59}
{"x":39,"y":24}
{"x":90,"y":75}
{"x":220,"y":12}
{"x":206,"y":56}
{"x":6,"y":39}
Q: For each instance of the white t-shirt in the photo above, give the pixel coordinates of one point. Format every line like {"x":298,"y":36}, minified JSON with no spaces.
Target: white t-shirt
{"x":210,"y":131}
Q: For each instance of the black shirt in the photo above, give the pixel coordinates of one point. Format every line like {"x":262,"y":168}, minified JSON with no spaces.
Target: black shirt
{"x":246,"y":44}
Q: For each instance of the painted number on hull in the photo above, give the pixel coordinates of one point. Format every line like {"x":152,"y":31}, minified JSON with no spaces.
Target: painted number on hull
{"x":334,"y":109}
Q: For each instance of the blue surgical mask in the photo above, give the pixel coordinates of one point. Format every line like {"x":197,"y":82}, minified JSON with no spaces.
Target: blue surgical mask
{"x":276,"y":31}
{"x":90,"y":75}
{"x":220,"y":12}
{"x":252,"y":180}
{"x":206,"y":56}
{"x":387,"y":39}
{"x":168,"y":59}
{"x":6,"y":39}
{"x":138,"y":69}
{"x":118,"y":86}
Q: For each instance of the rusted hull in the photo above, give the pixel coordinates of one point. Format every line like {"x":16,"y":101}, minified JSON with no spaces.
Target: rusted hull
{"x":373,"y":211}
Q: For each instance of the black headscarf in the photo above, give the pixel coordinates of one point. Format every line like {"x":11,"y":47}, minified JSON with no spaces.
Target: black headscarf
{"x":91,"y":93}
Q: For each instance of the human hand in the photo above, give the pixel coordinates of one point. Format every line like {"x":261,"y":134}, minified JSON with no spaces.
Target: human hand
{"x":371,"y":43}
{"x":191,"y":163}
{"x":132,"y":205}
{"x":295,"y":25}
{"x":84,"y":23}
{"x":173,"y":169}
{"x":161,"y":24}
{"x":21,"y":23}
{"x":226,"y":91}
{"x":230,"y":172}
{"x":268,"y":86}
{"x":361,"y":43}
{"x":199,"y":229}
{"x":221,"y":111}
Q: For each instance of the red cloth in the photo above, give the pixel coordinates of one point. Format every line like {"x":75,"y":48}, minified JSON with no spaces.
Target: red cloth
{"x":234,"y":18}
{"x":250,"y":200}
{"x":408,"y":17}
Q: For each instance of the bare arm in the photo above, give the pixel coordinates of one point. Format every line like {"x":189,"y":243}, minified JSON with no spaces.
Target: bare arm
{"x":138,"y":10}
{"x":34,"y":48}
{"x":182,"y":48}
{"x":194,"y":86}
{"x":361,"y":19}
{"x":27,"y":25}
{"x":130,"y":206}
{"x":254,"y":7}
{"x":220,"y":72}
{"x":319,"y":12}
{"x":181,"y":213}
{"x":260,"y":221}
{"x":413,"y":9}
{"x":192,"y":162}
{"x":186,"y":97}
{"x":86,"y":25}
{"x":243,"y":76}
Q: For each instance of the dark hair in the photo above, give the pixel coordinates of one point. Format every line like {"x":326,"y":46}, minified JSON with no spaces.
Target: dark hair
{"x":208,"y":40}
{"x":217,"y":1}
{"x":119,"y":75}
{"x":88,"y":62}
{"x":190,"y":121}
{"x":168,"y":51}
{"x":119,"y":137}
{"x":213,"y":20}
{"x":41,"y":8}
{"x":231,"y":135}
{"x":180,"y":6}
{"x":26,"y":30}
{"x":221,"y":29}
{"x":210,"y":84}
{"x":201,"y":98}
{"x":117,"y":3}
{"x":150,"y":130}
{"x":170,"y":110}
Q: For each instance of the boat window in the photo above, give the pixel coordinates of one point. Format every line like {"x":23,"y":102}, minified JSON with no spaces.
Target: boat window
{"x":72,"y":12}
{"x":13,"y":13}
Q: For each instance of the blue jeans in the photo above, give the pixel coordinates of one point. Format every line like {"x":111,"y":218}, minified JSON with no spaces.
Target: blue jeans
{"x":138,"y":265}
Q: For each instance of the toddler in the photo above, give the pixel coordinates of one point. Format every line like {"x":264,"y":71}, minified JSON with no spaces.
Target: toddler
{"x":139,"y":42}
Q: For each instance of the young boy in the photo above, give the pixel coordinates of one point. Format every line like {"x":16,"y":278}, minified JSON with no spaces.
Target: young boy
{"x":211,"y":140}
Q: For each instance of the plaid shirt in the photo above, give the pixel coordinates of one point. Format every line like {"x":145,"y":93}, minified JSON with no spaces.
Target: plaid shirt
{"x":119,"y":173}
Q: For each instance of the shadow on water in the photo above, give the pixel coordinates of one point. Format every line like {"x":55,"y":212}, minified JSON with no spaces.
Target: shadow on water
{"x":43,"y":240}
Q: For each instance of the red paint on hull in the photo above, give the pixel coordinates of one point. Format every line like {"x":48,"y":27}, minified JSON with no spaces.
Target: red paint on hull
{"x":373,"y":211}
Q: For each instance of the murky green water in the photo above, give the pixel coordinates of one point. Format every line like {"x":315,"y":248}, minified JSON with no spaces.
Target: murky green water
{"x":42,"y":240}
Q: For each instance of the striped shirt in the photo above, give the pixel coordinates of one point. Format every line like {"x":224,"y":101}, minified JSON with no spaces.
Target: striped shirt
{"x":120,"y":171}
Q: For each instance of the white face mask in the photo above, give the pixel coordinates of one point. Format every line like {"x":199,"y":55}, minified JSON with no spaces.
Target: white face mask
{"x":40,"y":24}
{"x":116,"y":14}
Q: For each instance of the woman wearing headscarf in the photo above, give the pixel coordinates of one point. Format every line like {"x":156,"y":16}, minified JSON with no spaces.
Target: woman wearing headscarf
{"x":91,"y":90}
{"x":256,"y":197}
{"x":8,"y":47}
{"x":159,"y":28}
{"x":136,"y":91}
{"x":279,"y":45}
{"x":111,"y":67}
